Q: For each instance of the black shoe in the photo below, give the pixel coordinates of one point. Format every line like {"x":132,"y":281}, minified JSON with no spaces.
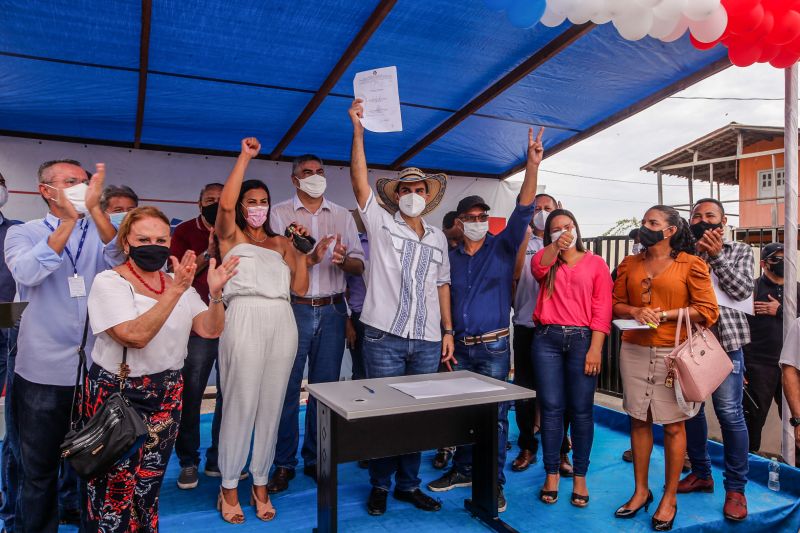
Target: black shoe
{"x":311,"y":471}
{"x":212,"y":470}
{"x":501,"y":499}
{"x":664,"y":525}
{"x":376,"y":504}
{"x":442,"y":458}
{"x":451,"y":480}
{"x":70,"y":517}
{"x":624,"y":512}
{"x":418,"y":498}
{"x":280,"y":479}
{"x":188,"y":479}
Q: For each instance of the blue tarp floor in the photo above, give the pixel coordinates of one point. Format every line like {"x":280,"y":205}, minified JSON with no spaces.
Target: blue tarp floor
{"x":610,"y":483}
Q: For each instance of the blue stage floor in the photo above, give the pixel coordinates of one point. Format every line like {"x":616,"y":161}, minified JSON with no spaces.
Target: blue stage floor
{"x":610,"y":483}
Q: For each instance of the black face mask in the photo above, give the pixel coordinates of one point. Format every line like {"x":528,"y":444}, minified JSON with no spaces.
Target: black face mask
{"x":149,"y":257}
{"x":777,"y":269}
{"x":699,"y":228}
{"x":648,"y":237}
{"x":209,"y":213}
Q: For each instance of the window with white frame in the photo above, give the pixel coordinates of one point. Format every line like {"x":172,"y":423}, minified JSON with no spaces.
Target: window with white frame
{"x":766,"y":187}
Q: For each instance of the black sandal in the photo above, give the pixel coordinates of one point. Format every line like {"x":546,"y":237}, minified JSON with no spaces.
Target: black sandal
{"x":579,"y":500}
{"x":551,"y":494}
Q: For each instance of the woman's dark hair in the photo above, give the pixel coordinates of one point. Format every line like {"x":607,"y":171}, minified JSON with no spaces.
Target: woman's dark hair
{"x":683,"y":240}
{"x":550,"y":280}
{"x":241,"y":220}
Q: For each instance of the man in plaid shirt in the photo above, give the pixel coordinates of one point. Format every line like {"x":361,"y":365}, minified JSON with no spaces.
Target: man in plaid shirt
{"x":731,"y":266}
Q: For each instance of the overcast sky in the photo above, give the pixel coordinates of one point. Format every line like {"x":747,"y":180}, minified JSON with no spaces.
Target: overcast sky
{"x":619,"y":151}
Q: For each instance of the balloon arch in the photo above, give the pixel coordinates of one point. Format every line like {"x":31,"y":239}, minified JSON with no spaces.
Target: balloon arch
{"x":754,"y":31}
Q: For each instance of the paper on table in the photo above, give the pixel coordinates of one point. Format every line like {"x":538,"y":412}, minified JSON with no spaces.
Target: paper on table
{"x":745,"y":306}
{"x":626,"y":324}
{"x":436,"y":388}
{"x":378,"y":89}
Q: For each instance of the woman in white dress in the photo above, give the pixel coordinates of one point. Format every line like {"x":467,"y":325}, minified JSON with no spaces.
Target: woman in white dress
{"x":258,"y":347}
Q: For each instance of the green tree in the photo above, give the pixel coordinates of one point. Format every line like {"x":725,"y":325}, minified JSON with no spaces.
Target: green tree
{"x":623,"y":226}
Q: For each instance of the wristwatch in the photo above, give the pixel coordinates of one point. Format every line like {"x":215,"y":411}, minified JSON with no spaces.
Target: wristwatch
{"x":449,"y":332}
{"x":206,"y":255}
{"x":795,"y":421}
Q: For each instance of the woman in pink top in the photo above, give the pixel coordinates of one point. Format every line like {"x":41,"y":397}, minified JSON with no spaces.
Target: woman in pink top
{"x":573,"y":317}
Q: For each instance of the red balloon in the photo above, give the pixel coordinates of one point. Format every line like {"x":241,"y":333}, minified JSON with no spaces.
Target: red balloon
{"x":701,"y":45}
{"x":786,"y":29}
{"x":769,"y":52}
{"x":745,"y":21}
{"x":743,"y":53}
{"x":785,"y":59}
{"x":734,"y":7}
{"x":794,"y":46}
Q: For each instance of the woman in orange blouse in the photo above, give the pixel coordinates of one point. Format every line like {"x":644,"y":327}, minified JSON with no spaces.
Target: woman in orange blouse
{"x":651,"y":287}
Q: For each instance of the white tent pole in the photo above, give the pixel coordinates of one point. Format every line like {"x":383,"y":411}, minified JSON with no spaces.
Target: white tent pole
{"x":789,"y":236}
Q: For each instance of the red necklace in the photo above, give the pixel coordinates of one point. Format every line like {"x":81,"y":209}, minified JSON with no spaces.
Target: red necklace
{"x":160,"y":275}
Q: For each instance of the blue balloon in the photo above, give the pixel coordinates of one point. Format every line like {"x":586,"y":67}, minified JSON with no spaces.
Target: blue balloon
{"x":497,"y":5}
{"x":526,"y":13}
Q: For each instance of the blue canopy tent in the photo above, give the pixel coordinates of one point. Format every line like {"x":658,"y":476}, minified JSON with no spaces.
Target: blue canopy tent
{"x":198,"y":76}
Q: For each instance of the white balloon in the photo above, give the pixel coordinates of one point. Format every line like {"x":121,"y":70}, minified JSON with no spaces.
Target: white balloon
{"x":561,"y":7}
{"x":649,"y":3}
{"x":677,"y":33}
{"x":585,"y":10}
{"x":603,"y":16}
{"x":661,"y":28}
{"x":635,"y":22}
{"x":698,"y":10}
{"x":670,"y":9}
{"x":551,"y":19}
{"x":616,"y":8}
{"x":712,"y":28}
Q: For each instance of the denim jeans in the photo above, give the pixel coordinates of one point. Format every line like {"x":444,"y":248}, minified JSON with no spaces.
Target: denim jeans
{"x":727,"y":401}
{"x":321,"y":342}
{"x":202,"y":353}
{"x":559,"y":356}
{"x":357,"y":351}
{"x":492,"y":359}
{"x":388,"y":355}
{"x":41,"y":416}
{"x":10,"y":447}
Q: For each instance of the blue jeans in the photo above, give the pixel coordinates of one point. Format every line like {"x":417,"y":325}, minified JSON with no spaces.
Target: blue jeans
{"x":727,"y":401}
{"x":388,"y":355}
{"x":559,"y":356}
{"x":494,"y":360}
{"x":321,"y":342}
{"x":202,"y":353}
{"x":10,"y":448}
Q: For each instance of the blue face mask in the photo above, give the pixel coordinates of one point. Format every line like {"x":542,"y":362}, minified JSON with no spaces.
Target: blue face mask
{"x":116,"y":218}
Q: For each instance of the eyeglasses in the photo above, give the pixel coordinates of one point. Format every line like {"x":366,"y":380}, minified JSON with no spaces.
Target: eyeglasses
{"x":475,"y":218}
{"x":774,"y":260}
{"x":647,"y":293}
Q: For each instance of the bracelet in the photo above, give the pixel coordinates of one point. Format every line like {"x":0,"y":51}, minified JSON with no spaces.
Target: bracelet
{"x":213,"y":300}
{"x":663,"y":316}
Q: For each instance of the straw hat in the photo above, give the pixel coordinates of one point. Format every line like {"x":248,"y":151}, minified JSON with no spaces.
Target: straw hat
{"x":387,"y":187}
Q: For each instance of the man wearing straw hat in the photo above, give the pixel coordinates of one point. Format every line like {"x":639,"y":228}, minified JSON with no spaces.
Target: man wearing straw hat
{"x":406,"y":313}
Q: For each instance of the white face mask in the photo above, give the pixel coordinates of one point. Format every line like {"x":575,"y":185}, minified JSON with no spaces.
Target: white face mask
{"x":116,"y":218}
{"x":314,"y":186}
{"x":3,"y":195}
{"x":539,"y":219}
{"x":475,"y":231}
{"x":76,"y":196}
{"x":556,"y":234}
{"x":412,"y":205}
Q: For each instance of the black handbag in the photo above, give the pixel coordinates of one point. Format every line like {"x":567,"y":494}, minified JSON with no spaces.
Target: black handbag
{"x":113,"y":434}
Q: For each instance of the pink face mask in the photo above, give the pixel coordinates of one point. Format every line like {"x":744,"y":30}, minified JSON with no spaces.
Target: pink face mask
{"x":256,"y":216}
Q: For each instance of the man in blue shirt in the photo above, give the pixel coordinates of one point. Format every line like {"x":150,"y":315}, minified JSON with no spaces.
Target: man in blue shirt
{"x":53,"y":261}
{"x":482,"y":276}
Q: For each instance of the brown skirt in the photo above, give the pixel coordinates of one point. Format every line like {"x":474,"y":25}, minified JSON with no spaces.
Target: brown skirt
{"x":643,"y":373}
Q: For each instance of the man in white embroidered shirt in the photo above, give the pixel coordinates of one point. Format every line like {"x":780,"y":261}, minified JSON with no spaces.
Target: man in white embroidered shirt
{"x":407,"y":301}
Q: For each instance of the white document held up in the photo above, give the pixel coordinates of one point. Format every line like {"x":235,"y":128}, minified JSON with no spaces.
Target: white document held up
{"x":378,"y":89}
{"x":436,"y":388}
{"x":626,"y":324}
{"x":745,"y":306}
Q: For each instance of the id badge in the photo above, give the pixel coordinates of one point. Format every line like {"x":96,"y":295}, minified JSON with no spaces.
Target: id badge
{"x":77,"y":288}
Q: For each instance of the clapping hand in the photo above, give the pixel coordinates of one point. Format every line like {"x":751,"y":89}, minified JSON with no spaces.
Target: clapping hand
{"x":339,"y":251}
{"x":250,"y":147}
{"x":218,"y":276}
{"x":315,"y":257}
{"x":184,"y":271}
{"x":96,"y":184}
{"x":711,"y":242}
{"x":535,"y":147}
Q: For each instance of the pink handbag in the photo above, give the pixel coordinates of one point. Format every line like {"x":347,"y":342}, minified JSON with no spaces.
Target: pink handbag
{"x":697,"y":366}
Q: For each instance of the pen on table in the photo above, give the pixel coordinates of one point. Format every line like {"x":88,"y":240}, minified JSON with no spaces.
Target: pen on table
{"x":370,"y":390}
{"x":654,"y":326}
